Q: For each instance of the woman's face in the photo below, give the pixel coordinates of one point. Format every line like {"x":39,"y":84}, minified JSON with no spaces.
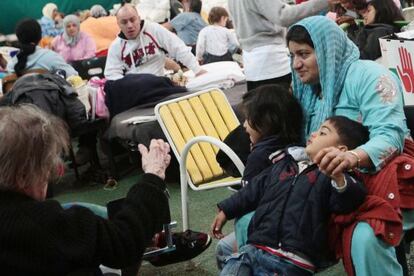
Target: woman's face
{"x":368,"y":14}
{"x":72,"y":29}
{"x":54,"y":13}
{"x":304,"y":62}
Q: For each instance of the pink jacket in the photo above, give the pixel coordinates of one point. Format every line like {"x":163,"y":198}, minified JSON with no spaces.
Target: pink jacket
{"x":84,"y":49}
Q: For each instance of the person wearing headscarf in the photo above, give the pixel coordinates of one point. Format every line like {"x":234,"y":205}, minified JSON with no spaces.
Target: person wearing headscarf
{"x":330,"y":79}
{"x":97,"y":11}
{"x":31,"y":56}
{"x":73,"y":44}
{"x":47,"y":22}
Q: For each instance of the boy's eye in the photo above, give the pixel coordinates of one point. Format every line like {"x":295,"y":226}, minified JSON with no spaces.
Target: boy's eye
{"x":322,"y":133}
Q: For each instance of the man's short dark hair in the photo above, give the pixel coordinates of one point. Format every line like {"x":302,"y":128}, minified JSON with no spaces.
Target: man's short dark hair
{"x":195,"y":6}
{"x":351,"y":133}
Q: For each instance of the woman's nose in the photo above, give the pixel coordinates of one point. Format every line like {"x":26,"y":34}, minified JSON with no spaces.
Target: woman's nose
{"x":297,"y":63}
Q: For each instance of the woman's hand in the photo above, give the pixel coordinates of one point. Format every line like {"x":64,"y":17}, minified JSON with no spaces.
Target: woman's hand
{"x":218,"y":223}
{"x":157,"y":159}
{"x":345,"y":19}
{"x":333,"y":162}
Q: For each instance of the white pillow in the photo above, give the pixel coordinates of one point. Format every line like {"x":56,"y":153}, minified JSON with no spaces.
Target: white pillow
{"x":223,"y":74}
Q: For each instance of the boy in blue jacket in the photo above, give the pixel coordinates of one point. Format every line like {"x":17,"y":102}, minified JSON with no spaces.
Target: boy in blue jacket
{"x":293,"y":199}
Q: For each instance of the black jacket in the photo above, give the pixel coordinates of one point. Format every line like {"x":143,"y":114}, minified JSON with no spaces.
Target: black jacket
{"x":41,"y":238}
{"x":137,"y":89}
{"x":367,"y":39}
{"x":293,"y":210}
{"x":50,"y":93}
{"x":255,"y":159}
{"x":258,"y":159}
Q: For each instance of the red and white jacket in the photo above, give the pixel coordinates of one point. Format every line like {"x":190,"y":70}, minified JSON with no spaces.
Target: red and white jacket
{"x":147,"y":53}
{"x":389,"y":190}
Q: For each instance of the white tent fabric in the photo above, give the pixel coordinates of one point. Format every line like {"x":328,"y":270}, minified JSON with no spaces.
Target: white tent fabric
{"x":154,"y":10}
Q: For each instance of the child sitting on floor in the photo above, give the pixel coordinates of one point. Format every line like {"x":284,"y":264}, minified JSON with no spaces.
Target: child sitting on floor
{"x":216,"y":42}
{"x":273,"y":120}
{"x":293,"y":199}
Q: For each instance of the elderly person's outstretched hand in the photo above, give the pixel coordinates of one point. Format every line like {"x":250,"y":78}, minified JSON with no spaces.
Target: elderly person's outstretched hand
{"x":157,"y":158}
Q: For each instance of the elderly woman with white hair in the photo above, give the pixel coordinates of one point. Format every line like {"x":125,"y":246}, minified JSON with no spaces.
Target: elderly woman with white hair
{"x":38,"y":236}
{"x":47,"y":22}
{"x":98,"y":11}
{"x":73,"y":44}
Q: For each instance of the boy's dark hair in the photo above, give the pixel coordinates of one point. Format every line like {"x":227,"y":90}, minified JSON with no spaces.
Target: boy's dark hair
{"x":299,"y":35}
{"x":351,"y":133}
{"x":271,"y":109}
{"x":195,"y":6}
{"x":216,"y":14}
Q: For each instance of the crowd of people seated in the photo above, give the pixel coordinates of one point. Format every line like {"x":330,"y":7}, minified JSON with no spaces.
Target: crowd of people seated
{"x":326,"y":136}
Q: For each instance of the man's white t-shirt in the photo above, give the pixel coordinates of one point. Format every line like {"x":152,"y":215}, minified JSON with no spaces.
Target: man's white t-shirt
{"x":266,"y":62}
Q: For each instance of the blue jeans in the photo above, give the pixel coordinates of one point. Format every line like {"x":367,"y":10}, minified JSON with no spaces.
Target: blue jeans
{"x":370,"y":255}
{"x":225,"y":248}
{"x":230,"y":243}
{"x":253,"y":261}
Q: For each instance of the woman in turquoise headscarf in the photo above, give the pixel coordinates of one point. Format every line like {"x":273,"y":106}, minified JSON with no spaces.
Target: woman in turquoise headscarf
{"x":329,"y":79}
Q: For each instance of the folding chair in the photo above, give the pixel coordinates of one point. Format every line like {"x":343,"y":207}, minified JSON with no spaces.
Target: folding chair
{"x":192,"y":125}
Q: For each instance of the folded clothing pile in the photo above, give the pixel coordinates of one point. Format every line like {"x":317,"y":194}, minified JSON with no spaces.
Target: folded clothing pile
{"x":223,"y":74}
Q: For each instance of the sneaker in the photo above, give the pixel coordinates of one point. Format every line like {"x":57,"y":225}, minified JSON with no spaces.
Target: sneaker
{"x":189,"y":244}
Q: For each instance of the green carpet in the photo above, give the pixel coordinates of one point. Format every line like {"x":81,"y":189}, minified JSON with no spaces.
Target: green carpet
{"x":202,"y":209}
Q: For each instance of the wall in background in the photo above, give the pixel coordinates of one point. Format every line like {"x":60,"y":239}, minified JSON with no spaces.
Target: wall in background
{"x":11,"y":11}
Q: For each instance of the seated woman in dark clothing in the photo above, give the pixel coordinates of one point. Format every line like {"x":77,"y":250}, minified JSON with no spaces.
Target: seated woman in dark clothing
{"x":379,"y":17}
{"x":38,"y":236}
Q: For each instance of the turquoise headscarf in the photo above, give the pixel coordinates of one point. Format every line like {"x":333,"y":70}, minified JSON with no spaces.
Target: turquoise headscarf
{"x":334,"y":54}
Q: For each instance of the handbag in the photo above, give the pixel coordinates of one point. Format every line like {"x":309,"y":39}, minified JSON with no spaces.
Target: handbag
{"x":98,"y":95}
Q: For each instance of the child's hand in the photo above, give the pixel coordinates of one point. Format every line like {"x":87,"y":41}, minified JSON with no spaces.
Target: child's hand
{"x":339,"y":179}
{"x":218,"y":223}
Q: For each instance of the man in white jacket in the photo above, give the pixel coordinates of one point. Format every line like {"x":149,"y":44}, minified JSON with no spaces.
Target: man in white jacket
{"x":142,"y":46}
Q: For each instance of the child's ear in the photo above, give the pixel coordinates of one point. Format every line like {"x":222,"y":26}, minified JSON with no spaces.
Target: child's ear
{"x":342,"y":148}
